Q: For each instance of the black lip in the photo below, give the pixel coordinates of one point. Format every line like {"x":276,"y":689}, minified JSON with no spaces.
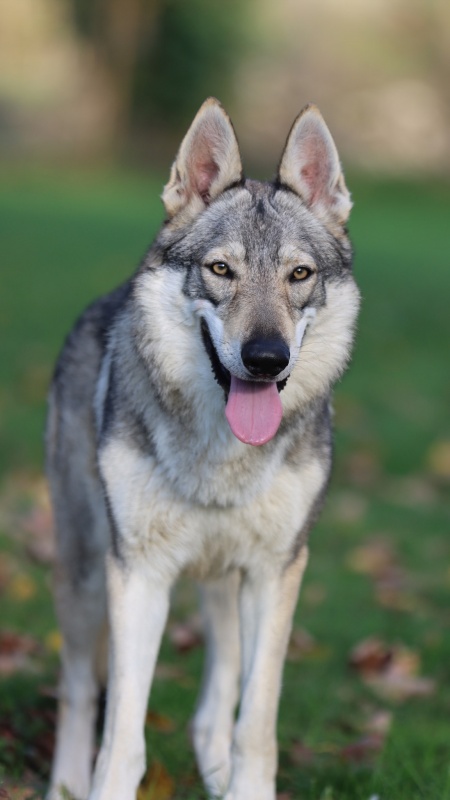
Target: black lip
{"x":221,"y":374}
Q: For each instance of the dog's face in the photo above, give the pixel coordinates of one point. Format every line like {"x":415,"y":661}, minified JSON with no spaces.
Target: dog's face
{"x":258,"y":260}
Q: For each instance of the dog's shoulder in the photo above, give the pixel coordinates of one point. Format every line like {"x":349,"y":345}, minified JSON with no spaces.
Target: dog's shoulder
{"x":80,"y":358}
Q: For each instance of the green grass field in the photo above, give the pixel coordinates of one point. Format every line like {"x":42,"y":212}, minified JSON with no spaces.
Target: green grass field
{"x":380,"y":561}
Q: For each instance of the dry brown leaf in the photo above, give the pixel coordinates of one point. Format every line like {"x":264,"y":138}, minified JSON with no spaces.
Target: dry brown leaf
{"x":398,"y":688}
{"x":411,"y":491}
{"x":8,"y":567}
{"x":303,"y":646}
{"x":363,"y":467}
{"x":302,"y":754}
{"x":38,"y":525}
{"x":390,"y":671}
{"x":53,"y":641}
{"x":15,"y":650}
{"x":160,"y":722}
{"x":362,"y":750}
{"x":25,"y":513}
{"x":371,"y":656}
{"x":284,"y":796}
{"x":378,"y":722}
{"x":438,"y":460}
{"x":395,"y":598}
{"x":378,"y":560}
{"x":186,"y":635}
{"x":170,"y":672}
{"x":373,"y":558}
{"x":157,"y":784}
{"x":314,"y":594}
{"x":17,"y":792}
{"x":348,"y":507}
{"x":22,"y":587}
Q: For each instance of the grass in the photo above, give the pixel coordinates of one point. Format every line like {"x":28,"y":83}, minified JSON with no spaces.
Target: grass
{"x":67,"y":237}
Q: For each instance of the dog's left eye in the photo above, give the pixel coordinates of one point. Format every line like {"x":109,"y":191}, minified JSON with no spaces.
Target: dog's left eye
{"x":301,"y":273}
{"x":220,"y":268}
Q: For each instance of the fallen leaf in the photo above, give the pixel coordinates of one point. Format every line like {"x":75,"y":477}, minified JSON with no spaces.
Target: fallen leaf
{"x":53,"y":641}
{"x":284,"y":796}
{"x":25,"y":514}
{"x":398,"y":688}
{"x":185,"y":636}
{"x":157,"y":784}
{"x":160,"y":722}
{"x":16,"y":791}
{"x":22,"y":587}
{"x":38,"y":525}
{"x":438,"y":459}
{"x":395,"y":598}
{"x":302,"y":754}
{"x":378,"y":560}
{"x":390,"y":671}
{"x":362,"y":750}
{"x":314,"y":594}
{"x":348,"y":507}
{"x":371,"y":656}
{"x":378,"y":722}
{"x":170,"y":672}
{"x":363,"y":467}
{"x":411,"y":491}
{"x":303,"y":646}
{"x":7,"y":569}
{"x":15,"y":650}
{"x":373,"y":558}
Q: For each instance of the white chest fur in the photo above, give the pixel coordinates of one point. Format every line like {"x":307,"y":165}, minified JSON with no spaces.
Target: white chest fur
{"x":179,"y":534}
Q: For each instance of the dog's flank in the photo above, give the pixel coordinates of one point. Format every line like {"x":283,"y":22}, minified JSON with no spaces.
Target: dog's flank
{"x":189,"y":430}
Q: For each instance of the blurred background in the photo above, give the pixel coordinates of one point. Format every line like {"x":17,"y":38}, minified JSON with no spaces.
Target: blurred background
{"x":121,"y":78}
{"x":95,"y":96}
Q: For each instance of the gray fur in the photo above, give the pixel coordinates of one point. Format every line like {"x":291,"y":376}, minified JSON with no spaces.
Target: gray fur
{"x":119,"y":379}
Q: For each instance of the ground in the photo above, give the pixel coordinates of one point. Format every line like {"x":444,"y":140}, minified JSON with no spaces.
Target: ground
{"x":366,"y":695}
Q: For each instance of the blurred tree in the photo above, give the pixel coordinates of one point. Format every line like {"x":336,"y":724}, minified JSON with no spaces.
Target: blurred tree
{"x":163,"y":56}
{"x":193,"y":55}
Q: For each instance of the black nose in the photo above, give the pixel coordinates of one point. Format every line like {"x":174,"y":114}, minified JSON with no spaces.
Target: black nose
{"x":265,"y":357}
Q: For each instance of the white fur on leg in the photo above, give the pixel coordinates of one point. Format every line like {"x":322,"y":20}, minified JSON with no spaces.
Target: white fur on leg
{"x":267,"y":607}
{"x":72,"y":762}
{"x":81,"y":615}
{"x":213,"y":722}
{"x":138,"y":605}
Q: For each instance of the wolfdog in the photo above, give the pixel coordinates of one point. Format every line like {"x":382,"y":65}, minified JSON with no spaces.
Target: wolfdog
{"x":189,"y":431}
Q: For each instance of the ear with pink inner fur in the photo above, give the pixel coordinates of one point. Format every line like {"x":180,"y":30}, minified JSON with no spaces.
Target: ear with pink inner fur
{"x":310,"y":166}
{"x":207,"y":162}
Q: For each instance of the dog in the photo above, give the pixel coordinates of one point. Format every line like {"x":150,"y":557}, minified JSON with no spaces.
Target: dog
{"x":189,"y":431}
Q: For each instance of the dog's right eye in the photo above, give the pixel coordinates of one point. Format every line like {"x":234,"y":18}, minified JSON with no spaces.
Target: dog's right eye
{"x":220,"y":268}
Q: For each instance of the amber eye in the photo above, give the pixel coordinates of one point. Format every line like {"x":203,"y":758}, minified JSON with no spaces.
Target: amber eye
{"x":301,"y":273}
{"x":220,"y":268}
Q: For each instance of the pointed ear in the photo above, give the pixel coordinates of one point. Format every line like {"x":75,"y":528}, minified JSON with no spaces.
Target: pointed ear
{"x":310,"y":166}
{"x":207,"y":162}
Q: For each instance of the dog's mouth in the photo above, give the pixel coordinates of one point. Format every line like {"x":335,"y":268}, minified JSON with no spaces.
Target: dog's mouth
{"x":253,"y":409}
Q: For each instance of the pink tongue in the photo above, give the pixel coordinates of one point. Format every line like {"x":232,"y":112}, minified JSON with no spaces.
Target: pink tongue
{"x":253,"y":411}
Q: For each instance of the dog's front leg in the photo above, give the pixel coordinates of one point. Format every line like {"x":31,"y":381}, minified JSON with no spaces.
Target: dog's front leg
{"x":267,"y":605}
{"x":138,"y":607}
{"x":214,"y":718}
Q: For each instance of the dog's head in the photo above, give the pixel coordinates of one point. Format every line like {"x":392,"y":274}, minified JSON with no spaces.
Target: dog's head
{"x":267,"y":267}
